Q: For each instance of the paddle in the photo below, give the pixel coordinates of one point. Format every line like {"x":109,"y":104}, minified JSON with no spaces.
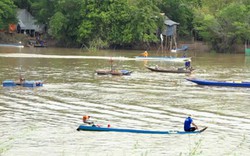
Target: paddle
{"x":202,"y":130}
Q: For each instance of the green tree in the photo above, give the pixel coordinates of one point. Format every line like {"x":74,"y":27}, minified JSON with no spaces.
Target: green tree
{"x":180,"y":11}
{"x":43,"y":10}
{"x":7,"y":13}
{"x":64,"y":24}
{"x":119,"y":22}
{"x":23,"y":4}
{"x":223,"y":27}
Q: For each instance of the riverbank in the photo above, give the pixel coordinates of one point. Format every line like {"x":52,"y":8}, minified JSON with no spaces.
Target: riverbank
{"x":15,"y":38}
{"x":12,"y":38}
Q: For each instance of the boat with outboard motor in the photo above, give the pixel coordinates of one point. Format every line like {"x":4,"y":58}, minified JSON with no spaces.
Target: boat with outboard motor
{"x":109,"y":129}
{"x":164,"y":70}
{"x":113,"y":72}
{"x":164,"y":58}
{"x":219,"y":83}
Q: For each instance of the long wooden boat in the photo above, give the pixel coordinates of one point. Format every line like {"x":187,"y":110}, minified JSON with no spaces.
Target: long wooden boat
{"x":103,"y":72}
{"x":219,"y":83}
{"x":179,"y":70}
{"x":164,"y":58}
{"x":108,"y":129}
{"x":40,"y":46}
{"x":113,"y":72}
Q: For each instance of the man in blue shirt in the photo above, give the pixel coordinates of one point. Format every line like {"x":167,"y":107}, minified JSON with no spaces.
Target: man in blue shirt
{"x":187,"y":65}
{"x":188,"y":125}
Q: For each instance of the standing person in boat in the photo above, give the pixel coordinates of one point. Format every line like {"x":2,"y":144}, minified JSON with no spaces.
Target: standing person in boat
{"x":86,"y":120}
{"x":188,"y":123}
{"x":145,"y":54}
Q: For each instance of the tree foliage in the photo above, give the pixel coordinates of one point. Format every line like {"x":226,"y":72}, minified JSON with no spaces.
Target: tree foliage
{"x":119,"y":22}
{"x":43,"y":10}
{"x":23,"y":4}
{"x":223,"y":24}
{"x":179,"y":11}
{"x":7,"y":13}
{"x":107,"y":23}
{"x":65,"y":22}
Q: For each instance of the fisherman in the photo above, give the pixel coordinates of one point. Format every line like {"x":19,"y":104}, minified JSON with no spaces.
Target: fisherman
{"x":188,"y":65}
{"x":145,"y":54}
{"x":86,"y":120}
{"x":21,"y":80}
{"x":189,"y":123}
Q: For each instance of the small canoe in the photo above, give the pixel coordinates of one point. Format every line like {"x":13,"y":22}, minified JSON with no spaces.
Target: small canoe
{"x":219,"y":83}
{"x":40,"y":46}
{"x":164,"y":58}
{"x":103,"y":72}
{"x":113,"y":72}
{"x":179,"y":70}
{"x":108,"y":129}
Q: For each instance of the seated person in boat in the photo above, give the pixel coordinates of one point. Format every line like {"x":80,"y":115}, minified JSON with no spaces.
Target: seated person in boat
{"x":86,"y":120}
{"x":188,"y":65}
{"x":145,"y":54}
{"x":189,"y":125}
{"x":21,"y":80}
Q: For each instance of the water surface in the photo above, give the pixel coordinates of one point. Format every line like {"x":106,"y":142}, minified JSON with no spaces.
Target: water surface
{"x":43,"y":121}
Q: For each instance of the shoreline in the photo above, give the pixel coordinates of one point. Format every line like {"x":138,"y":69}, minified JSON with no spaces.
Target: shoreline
{"x":22,"y":39}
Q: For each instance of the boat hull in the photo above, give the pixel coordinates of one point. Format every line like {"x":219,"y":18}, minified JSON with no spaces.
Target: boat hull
{"x":220,"y":83}
{"x":104,"y":129}
{"x":157,"y":58}
{"x":169,"y":70}
{"x":103,"y":72}
{"x":114,"y":72}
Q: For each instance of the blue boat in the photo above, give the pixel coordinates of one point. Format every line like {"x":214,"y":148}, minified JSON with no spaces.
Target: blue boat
{"x":219,"y":83}
{"x":108,"y":129}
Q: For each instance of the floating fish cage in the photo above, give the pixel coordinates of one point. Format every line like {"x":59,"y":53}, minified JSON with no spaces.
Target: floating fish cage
{"x":11,"y":83}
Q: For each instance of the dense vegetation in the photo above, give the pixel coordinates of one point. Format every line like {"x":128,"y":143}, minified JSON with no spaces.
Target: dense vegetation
{"x":7,"y":13}
{"x":124,"y":23}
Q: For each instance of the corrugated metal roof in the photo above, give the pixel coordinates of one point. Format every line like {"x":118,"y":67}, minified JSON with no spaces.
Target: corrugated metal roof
{"x":170,"y":22}
{"x":27,"y":21}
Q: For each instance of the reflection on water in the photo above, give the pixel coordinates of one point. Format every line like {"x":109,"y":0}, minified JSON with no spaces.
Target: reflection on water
{"x":43,"y":121}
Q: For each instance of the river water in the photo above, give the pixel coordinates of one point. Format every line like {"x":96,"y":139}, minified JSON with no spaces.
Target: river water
{"x":43,"y":120}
